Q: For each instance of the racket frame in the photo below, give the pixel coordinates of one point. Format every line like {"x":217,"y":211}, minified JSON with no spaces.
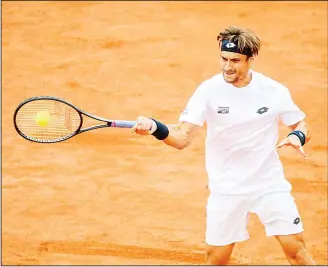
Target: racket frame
{"x":107,"y":123}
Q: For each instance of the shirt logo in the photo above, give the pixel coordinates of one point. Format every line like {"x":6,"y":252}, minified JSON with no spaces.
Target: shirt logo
{"x":262,"y":110}
{"x":223,"y":110}
{"x":185,"y":112}
{"x":230,"y":45}
{"x":297,"y":220}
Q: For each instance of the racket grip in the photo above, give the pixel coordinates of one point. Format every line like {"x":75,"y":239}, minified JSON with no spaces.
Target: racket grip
{"x":123,"y":124}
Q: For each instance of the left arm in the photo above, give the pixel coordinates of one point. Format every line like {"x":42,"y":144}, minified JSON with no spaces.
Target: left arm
{"x":303,"y":127}
{"x":299,"y":136}
{"x":292,"y":116}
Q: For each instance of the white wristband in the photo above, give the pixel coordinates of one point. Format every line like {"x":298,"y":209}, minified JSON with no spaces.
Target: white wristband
{"x":153,"y":127}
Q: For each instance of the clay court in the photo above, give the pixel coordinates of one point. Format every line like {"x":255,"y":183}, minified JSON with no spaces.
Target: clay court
{"x":110,"y":197}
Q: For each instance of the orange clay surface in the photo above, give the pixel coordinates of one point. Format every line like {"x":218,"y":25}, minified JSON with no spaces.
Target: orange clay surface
{"x":112,"y":197}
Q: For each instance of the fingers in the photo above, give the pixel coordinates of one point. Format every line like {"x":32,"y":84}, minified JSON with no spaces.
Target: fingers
{"x":295,"y":143}
{"x":143,"y":126}
{"x":301,"y":150}
{"x":284,"y":142}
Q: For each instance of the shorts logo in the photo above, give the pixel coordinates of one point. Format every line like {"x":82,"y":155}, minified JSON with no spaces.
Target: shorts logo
{"x":297,"y":220}
{"x":223,"y":110}
{"x":262,"y":110}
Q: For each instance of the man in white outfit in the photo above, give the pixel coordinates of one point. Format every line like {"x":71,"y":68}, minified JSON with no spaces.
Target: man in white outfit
{"x":242,"y":109}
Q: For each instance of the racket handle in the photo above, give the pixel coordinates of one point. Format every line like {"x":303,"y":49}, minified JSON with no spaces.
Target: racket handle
{"x":123,"y":124}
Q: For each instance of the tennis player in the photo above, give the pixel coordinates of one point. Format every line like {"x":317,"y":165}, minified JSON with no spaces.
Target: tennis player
{"x":242,"y":109}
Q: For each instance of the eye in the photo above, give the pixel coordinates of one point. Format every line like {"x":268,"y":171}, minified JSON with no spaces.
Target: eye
{"x":235,"y":60}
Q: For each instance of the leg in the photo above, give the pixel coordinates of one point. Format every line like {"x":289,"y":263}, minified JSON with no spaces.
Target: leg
{"x":226,"y":223}
{"x":218,"y":255}
{"x":295,"y":250}
{"x":279,"y":214}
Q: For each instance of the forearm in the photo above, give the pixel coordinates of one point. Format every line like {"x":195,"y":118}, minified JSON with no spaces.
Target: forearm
{"x":304,"y":128}
{"x":177,"y":137}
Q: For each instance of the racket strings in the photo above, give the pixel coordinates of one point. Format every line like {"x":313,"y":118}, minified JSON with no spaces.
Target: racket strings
{"x":61,"y":120}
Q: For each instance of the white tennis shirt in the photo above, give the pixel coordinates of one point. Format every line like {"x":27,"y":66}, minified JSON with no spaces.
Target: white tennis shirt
{"x":242,"y":132}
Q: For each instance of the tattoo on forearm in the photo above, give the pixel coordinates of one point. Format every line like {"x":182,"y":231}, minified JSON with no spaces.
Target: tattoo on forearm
{"x":175,"y":127}
{"x":178,"y":134}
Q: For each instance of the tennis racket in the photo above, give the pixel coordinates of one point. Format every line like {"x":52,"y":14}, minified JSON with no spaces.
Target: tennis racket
{"x":47,"y":119}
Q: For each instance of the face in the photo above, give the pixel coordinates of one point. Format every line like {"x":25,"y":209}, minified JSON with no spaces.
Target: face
{"x":234,"y":66}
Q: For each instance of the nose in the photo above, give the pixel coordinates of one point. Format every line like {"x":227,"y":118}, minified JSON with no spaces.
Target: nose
{"x":227,"y":65}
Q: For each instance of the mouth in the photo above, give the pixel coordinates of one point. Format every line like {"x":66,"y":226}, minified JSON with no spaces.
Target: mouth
{"x":229,"y":73}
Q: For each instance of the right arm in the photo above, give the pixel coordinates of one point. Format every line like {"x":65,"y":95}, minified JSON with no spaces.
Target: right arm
{"x":180,"y":135}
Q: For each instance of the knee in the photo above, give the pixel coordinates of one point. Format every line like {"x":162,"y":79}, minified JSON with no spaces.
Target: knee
{"x":295,"y":249}
{"x":214,"y":258}
{"x":297,"y":252}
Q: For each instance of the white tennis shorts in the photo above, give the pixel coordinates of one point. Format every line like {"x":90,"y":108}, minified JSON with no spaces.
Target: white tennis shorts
{"x":227,"y":216}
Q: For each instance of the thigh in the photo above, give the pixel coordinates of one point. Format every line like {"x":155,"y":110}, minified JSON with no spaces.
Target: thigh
{"x":226,"y":220}
{"x":278,"y":213}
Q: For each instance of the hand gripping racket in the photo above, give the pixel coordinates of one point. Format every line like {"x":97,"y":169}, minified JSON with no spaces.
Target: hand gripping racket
{"x":47,"y":119}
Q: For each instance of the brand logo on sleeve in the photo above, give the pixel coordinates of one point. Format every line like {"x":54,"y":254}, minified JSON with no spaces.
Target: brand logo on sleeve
{"x":185,"y":112}
{"x":223,"y":110}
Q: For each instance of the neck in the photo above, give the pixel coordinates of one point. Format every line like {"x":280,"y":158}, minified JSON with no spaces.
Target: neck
{"x":244,"y":81}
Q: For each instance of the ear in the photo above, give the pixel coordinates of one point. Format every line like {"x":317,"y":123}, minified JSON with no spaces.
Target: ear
{"x":250,"y":59}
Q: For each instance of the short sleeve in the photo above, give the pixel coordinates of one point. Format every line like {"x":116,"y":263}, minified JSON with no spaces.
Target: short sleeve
{"x":196,"y":107}
{"x":290,"y":113}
